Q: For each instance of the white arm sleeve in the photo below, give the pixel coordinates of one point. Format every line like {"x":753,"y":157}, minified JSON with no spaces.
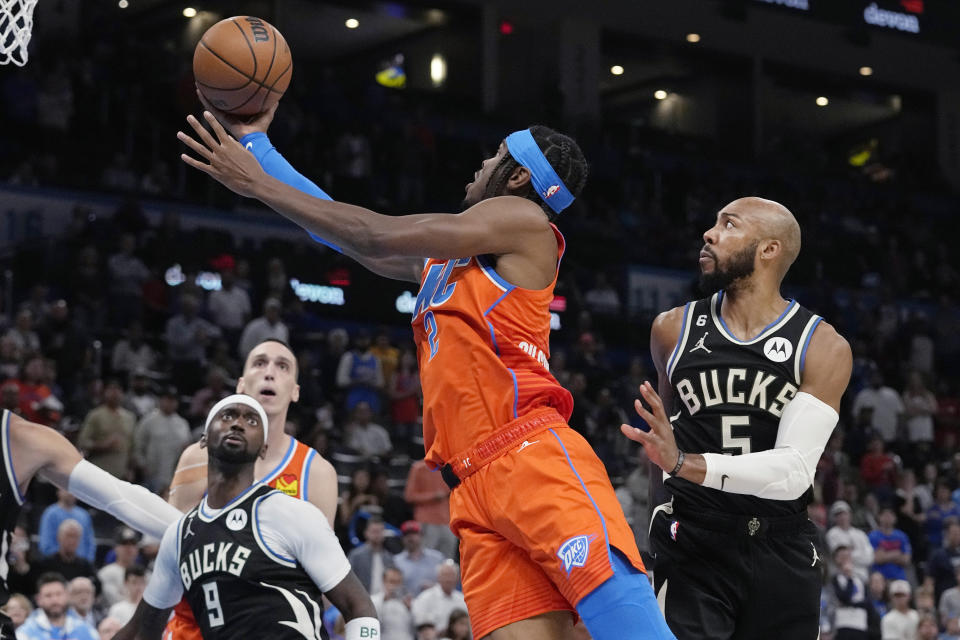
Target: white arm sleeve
{"x":786,"y":471}
{"x":296,"y":529}
{"x":129,"y":503}
{"x":165,"y":587}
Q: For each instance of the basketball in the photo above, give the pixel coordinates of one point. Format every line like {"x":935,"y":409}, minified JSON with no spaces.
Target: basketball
{"x":242,"y":65}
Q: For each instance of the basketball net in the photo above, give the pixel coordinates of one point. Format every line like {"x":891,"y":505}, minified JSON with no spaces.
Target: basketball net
{"x":16,"y":23}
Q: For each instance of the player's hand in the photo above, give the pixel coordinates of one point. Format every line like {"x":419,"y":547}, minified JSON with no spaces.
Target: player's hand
{"x":229,"y":163}
{"x":239,"y":126}
{"x":659,"y":443}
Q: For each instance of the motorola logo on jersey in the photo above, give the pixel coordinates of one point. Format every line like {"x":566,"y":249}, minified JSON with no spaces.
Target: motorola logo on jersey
{"x":236,"y":519}
{"x":778,"y":349}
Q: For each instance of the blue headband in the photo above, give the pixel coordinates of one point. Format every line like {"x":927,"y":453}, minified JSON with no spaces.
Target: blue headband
{"x":548,"y":184}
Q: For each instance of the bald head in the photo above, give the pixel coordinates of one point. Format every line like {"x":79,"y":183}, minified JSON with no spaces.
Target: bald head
{"x":772,"y":221}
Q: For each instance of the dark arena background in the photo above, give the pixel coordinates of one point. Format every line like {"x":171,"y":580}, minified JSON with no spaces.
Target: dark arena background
{"x":114,"y":254}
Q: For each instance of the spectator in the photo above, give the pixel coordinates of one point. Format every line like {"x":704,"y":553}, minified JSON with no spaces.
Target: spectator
{"x":18,"y":609}
{"x":910,"y":516}
{"x":920,"y":405}
{"x":65,"y":560}
{"x":82,"y":595}
{"x":127,"y":274}
{"x":357,"y":495}
{"x":439,"y":601}
{"x":365,"y":436}
{"x":131,"y":353}
{"x":134,"y":582}
{"x":943,"y":508}
{"x":113,"y":575}
{"x":230,"y":307}
{"x":33,"y":390}
{"x":928,"y":630}
{"x":949,"y":606}
{"x":878,"y":468}
{"x":602,"y":299}
{"x":891,"y":547}
{"x":850,"y":620}
{"x":634,"y":495}
{"x":426,"y":631}
{"x":387,"y":354}
{"x":9,"y":357}
{"x":429,"y":496}
{"x":418,"y":563}
{"x":883,"y":405}
{"x":215,"y":391}
{"x":405,"y":397}
{"x":360,"y":373}
{"x":159,"y":440}
{"x":267,"y":326}
{"x":393,"y":607}
{"x":65,"y":342}
{"x":187,"y":335}
{"x":141,"y":399}
{"x":10,"y":397}
{"x":22,"y":335}
{"x":945,"y":559}
{"x":458,"y":626}
{"x":107,"y":432}
{"x":65,"y":508}
{"x":900,"y":622}
{"x":370,"y":559}
{"x":52,"y":620}
{"x":877,"y":590}
{"x":858,"y":545}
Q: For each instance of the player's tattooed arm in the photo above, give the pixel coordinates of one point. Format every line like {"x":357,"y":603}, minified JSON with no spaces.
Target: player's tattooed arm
{"x":147,"y":623}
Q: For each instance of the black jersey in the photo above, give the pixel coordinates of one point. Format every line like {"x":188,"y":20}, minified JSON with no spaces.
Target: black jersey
{"x":236,"y":586}
{"x":729,"y":395}
{"x":10,"y":503}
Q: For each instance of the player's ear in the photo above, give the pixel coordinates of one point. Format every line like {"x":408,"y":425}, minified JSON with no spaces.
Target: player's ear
{"x":240,"y":384}
{"x":519,"y":179}
{"x":203,"y":440}
{"x":263,"y":451}
{"x":770,"y":249}
{"x":295,"y":394}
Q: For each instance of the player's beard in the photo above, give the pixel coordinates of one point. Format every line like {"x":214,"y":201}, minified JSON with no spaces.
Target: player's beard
{"x":233,"y":457}
{"x":739,"y":267}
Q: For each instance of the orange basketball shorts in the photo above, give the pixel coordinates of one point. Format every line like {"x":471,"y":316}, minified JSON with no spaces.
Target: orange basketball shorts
{"x":182,"y":625}
{"x":535,"y":527}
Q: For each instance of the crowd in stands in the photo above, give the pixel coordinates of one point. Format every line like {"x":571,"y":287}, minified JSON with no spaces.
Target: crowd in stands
{"x":98,"y":346}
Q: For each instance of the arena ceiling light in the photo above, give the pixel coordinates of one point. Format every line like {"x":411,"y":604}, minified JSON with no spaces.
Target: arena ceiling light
{"x":189,"y":12}
{"x":123,"y":4}
{"x":693,"y":38}
{"x":616,"y":70}
{"x":351,"y":23}
{"x":438,"y":70}
{"x":866,"y":71}
{"x":660,"y":94}
{"x":822,"y":101}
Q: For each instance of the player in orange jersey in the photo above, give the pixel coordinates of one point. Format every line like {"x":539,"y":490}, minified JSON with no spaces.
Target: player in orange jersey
{"x":541,"y":531}
{"x":270,"y":376}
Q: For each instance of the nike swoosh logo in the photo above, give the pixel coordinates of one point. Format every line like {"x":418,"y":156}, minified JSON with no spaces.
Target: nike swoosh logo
{"x":723,"y":479}
{"x":526,"y":444}
{"x":248,"y":146}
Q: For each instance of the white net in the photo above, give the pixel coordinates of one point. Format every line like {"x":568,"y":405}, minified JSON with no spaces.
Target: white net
{"x":16,"y":24}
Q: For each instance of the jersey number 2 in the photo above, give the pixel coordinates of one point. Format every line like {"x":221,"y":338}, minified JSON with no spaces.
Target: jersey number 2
{"x":212,"y":598}
{"x":731,"y":441}
{"x":430,"y":326}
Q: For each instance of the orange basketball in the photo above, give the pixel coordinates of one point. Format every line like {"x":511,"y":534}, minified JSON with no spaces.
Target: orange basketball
{"x":242,"y":65}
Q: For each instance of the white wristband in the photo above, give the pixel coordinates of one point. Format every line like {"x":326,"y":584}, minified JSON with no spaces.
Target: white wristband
{"x":362,"y":629}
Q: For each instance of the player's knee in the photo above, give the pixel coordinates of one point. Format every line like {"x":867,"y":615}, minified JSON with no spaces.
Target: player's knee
{"x":624,"y":602}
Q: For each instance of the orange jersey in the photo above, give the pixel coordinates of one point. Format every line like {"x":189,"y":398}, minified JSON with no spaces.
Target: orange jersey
{"x":483,"y":345}
{"x":291,"y":476}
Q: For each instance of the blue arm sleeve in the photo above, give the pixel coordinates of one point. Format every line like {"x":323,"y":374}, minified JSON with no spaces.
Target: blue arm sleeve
{"x":277,"y":166}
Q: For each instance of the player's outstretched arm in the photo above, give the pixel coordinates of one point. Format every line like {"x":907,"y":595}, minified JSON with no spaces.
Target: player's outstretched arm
{"x":357,"y":608}
{"x":41,"y":450}
{"x":502,"y":225}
